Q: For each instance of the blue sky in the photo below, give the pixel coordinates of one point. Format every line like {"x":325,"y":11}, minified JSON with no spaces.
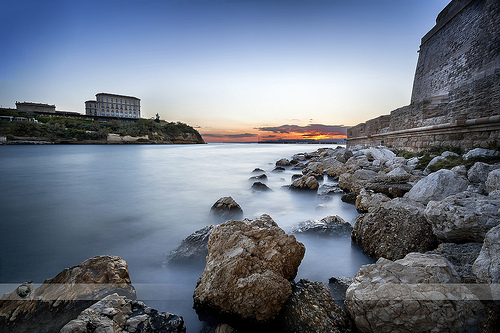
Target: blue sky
{"x":228,"y":67}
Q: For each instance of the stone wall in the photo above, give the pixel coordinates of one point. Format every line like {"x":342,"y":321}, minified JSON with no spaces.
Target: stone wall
{"x":456,"y":92}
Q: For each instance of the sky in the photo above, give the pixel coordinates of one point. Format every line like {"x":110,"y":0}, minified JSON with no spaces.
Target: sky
{"x":236,"y":70}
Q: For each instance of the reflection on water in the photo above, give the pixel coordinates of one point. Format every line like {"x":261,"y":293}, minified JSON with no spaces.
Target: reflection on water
{"x":63,"y":204}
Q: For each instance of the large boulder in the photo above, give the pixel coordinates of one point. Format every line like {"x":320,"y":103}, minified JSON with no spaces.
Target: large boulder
{"x":420,"y":293}
{"x":193,"y":247}
{"x":305,"y":183}
{"x":60,"y":299}
{"x":493,"y":181}
{"x":328,"y":226}
{"x":463,"y":217}
{"x":481,"y":152}
{"x":368,"y":200}
{"x":226,"y":208}
{"x":462,"y":257}
{"x":334,"y":168}
{"x":487,"y":265}
{"x":356,"y":181}
{"x":249,"y":265}
{"x":116,"y":314}
{"x":393,"y":230}
{"x":283,"y":162}
{"x":311,"y":308}
{"x":381,"y":154}
{"x":437,"y":186}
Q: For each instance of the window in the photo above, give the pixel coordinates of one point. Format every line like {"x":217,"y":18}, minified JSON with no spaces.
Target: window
{"x":120,"y":100}
{"x":112,"y":113}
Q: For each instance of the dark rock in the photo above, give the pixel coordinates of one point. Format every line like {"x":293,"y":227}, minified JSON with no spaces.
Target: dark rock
{"x":283,"y":162}
{"x":278,"y":169}
{"x":260,"y":177}
{"x":462,"y":256}
{"x":329,"y":226}
{"x":226,"y":208}
{"x":326,"y":189}
{"x":393,"y":230}
{"x":296,"y":176}
{"x":193,"y":247}
{"x":261,"y":187}
{"x":391,"y":190}
{"x":311,"y":308}
{"x":256,"y":170}
{"x":338,"y":287}
{"x":116,"y":314}
{"x":61,"y":299}
{"x":349,"y":197}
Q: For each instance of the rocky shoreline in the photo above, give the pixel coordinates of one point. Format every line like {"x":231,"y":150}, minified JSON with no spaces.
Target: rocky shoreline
{"x":435,"y":236}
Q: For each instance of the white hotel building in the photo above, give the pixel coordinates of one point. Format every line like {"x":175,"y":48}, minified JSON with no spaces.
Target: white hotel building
{"x":111,"y":105}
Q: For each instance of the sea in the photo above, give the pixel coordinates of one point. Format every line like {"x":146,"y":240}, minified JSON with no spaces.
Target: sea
{"x":62,"y":204}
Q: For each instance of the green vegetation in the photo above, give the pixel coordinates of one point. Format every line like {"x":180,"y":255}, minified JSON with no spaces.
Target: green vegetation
{"x":59,"y":129}
{"x":450,"y":162}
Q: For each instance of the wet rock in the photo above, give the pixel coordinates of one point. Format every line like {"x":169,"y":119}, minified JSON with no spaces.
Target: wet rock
{"x":420,"y":293}
{"x":493,"y":181}
{"x":226,"y":208}
{"x":463,"y":217}
{"x":260,"y":187}
{"x":462,"y":256}
{"x":305,"y":183}
{"x":338,"y":287}
{"x":296,"y":176}
{"x":437,"y":186}
{"x":299,"y":166}
{"x":311,"y":308}
{"x":332,"y":225}
{"x":283,"y":162}
{"x":367,"y":201}
{"x":115,"y":313}
{"x":249,"y":265}
{"x":487,"y":265}
{"x":326,"y":189}
{"x":349,"y":197}
{"x":262,"y":177}
{"x":257,"y":170}
{"x":393,"y":230}
{"x":60,"y":299}
{"x":278,"y":169}
{"x":193,"y":247}
{"x":481,"y":152}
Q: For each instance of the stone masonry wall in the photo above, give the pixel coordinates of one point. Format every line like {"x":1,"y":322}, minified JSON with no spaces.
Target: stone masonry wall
{"x":456,"y":93}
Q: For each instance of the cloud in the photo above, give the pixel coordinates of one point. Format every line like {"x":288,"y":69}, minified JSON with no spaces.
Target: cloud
{"x":231,"y":136}
{"x":310,"y":130}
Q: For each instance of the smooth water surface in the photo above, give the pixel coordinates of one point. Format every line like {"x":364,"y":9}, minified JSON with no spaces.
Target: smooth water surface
{"x":63,"y":204}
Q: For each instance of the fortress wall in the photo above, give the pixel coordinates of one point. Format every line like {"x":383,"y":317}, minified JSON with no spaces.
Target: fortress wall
{"x":456,"y":93}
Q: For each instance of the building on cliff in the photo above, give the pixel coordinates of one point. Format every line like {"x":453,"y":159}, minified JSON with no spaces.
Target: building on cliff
{"x":112,"y":105}
{"x":456,"y":90}
{"x":35,"y":107}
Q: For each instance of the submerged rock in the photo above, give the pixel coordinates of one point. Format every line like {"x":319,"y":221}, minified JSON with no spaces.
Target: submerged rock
{"x":311,"y":308}
{"x":420,"y":293}
{"x":249,"y":265}
{"x":393,"y":230}
{"x":260,"y":177}
{"x":338,"y":287}
{"x":329,"y":226}
{"x":193,"y":247}
{"x":226,"y":208}
{"x":260,"y":187}
{"x":326,"y":189}
{"x":60,"y":299}
{"x":117,"y":314}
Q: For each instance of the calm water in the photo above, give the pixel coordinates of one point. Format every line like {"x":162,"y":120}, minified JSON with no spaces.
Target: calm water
{"x":63,"y":204}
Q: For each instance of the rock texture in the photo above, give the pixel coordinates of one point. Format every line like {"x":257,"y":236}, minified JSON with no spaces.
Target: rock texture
{"x":332,"y":225}
{"x":60,"y":299}
{"x":116,"y":314}
{"x":226,"y":208}
{"x":249,"y":265}
{"x":420,"y":293}
{"x":462,"y":257}
{"x":367,"y":200}
{"x":305,"y":183}
{"x":393,"y":230}
{"x":487,"y":265}
{"x":310,"y":308}
{"x":193,"y":247}
{"x":493,"y":181}
{"x":437,"y":186}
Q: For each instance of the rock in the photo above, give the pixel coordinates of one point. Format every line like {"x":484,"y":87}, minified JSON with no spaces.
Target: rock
{"x":334,"y":168}
{"x":412,"y":162}
{"x":380,"y":154}
{"x":296,"y":176}
{"x":437,"y":186}
{"x":420,"y":293}
{"x":478,"y":173}
{"x":60,"y":299}
{"x":487,"y":265}
{"x":396,"y":162}
{"x":449,"y":154}
{"x":249,"y":265}
{"x":260,"y":187}
{"x":260,"y":177}
{"x":311,"y":308}
{"x":332,"y":225}
{"x":481,"y":152}
{"x":461,"y":256}
{"x":226,"y":208}
{"x":493,"y":181}
{"x":357,"y":162}
{"x":314,"y":167}
{"x":283,"y":162}
{"x":393,"y":230}
{"x":368,"y":200}
{"x":193,"y":247}
{"x":278,"y":169}
{"x":299,"y":166}
{"x":392,"y":190}
{"x":326,"y":189}
{"x":305,"y":183}
{"x":299,"y":157}
{"x":115,"y":313}
{"x":463,"y":217}
{"x":338,"y":287}
{"x":349,"y":197}
{"x":434,"y":161}
{"x":398,"y":175}
{"x":460,"y":170}
{"x":356,"y":181}
{"x":257,"y":170}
